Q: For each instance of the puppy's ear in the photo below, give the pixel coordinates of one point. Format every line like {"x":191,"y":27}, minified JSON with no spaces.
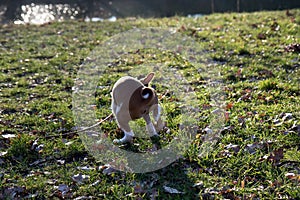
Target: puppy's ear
{"x":146,"y":93}
{"x":148,"y":78}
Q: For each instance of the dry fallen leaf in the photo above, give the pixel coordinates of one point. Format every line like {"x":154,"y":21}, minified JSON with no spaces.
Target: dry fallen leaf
{"x":234,"y":147}
{"x":8,"y":136}
{"x":208,"y":130}
{"x":276,"y":155}
{"x":86,"y":168}
{"x":138,"y":189}
{"x":12,"y":192}
{"x":63,"y":191}
{"x":80,"y":178}
{"x":37,"y":147}
{"x":51,"y":181}
{"x":229,"y":106}
{"x":107,"y":169}
{"x":287,"y":116}
{"x":293,"y":176}
{"x":84,"y":198}
{"x":171,"y":190}
{"x":199,"y":184}
{"x":61,"y":162}
{"x":37,"y":162}
{"x":2,"y":153}
{"x":96,"y":183}
{"x":62,"y":188}
{"x":293,"y":48}
{"x":251,"y":148}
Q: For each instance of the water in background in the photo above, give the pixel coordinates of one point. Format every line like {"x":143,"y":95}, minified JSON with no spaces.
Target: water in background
{"x":40,"y":14}
{"x":43,"y":11}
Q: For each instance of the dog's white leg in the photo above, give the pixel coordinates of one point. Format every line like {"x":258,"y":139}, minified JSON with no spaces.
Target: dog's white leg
{"x":149,"y":126}
{"x":157,"y":112}
{"x":151,"y":130}
{"x":128,"y":136}
{"x":124,"y":126}
{"x":159,"y":124}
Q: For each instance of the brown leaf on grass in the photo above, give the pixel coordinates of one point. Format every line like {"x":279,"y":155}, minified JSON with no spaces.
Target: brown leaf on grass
{"x":107,"y":169}
{"x":262,"y":36}
{"x":227,"y":116}
{"x":206,"y":106}
{"x":229,"y":106}
{"x":266,"y":73}
{"x":254,"y":25}
{"x":138,"y":189}
{"x":275,"y":183}
{"x":239,"y":72}
{"x":295,"y":48}
{"x":289,"y":13}
{"x":246,"y":95}
{"x":228,"y":193}
{"x":275,"y":26}
{"x":293,"y":176}
{"x":276,"y":156}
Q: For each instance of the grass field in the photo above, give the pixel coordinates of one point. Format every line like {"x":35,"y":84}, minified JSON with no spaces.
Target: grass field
{"x":257,"y":152}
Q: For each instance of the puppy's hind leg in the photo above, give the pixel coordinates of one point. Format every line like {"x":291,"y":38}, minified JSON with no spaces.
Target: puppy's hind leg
{"x":128,"y":133}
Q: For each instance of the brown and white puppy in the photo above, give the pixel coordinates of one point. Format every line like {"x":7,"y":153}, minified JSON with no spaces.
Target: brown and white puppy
{"x":133,"y":99}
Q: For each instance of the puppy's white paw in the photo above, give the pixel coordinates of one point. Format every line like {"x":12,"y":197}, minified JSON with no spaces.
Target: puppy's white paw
{"x":126,"y":139}
{"x":122,"y":140}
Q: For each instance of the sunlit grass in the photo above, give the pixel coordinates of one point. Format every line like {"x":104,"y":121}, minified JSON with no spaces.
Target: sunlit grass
{"x":256,"y":155}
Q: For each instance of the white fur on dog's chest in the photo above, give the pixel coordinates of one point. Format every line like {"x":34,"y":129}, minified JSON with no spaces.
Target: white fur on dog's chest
{"x":118,"y":108}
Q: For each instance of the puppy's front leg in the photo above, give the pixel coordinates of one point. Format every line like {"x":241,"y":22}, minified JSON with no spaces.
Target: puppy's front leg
{"x":150,"y":128}
{"x":159,"y":124}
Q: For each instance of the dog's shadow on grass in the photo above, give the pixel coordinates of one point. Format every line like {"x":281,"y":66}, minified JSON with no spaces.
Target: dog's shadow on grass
{"x":171,"y":182}
{"x":167,"y":182}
